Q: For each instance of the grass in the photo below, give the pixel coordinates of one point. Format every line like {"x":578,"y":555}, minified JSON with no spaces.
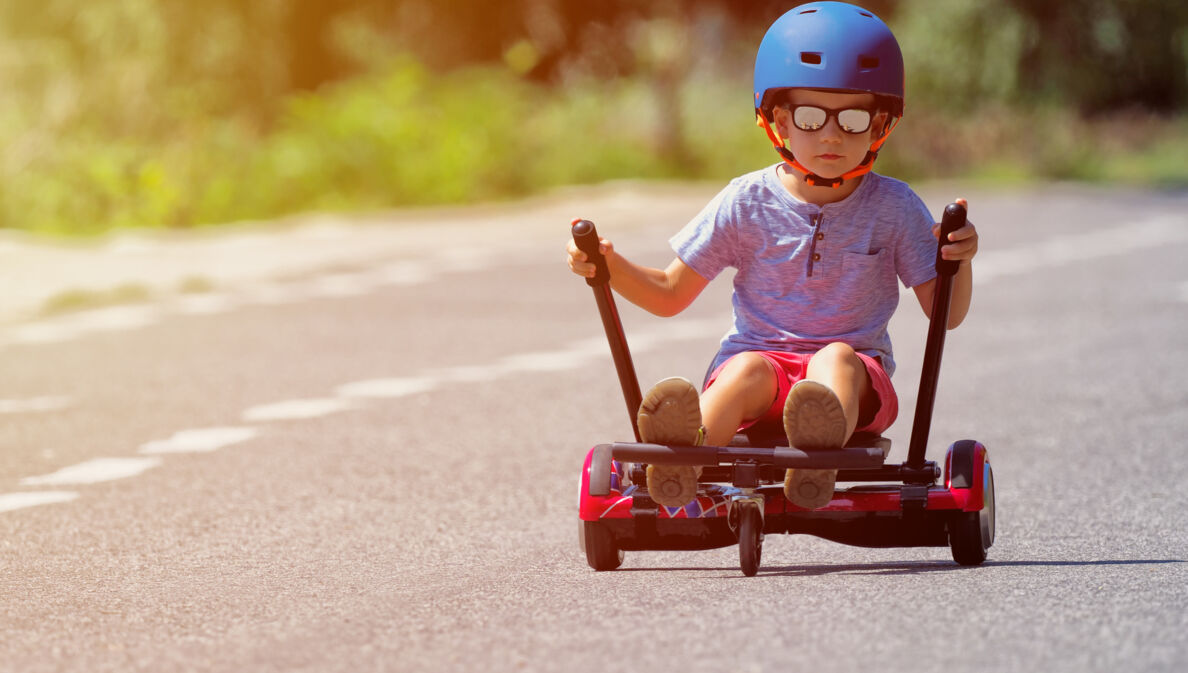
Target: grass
{"x":401,"y":136}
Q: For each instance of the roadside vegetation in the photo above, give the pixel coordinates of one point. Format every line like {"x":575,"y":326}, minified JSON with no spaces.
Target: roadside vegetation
{"x":172,"y":114}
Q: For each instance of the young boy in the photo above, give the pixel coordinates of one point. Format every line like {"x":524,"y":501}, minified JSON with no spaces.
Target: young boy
{"x":818,"y":242}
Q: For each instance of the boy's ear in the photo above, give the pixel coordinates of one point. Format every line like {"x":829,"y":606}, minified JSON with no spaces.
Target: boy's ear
{"x":779,"y":120}
{"x":882,"y":121}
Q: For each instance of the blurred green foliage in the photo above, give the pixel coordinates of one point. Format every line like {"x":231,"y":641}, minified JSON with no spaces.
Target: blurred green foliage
{"x":169,"y":113}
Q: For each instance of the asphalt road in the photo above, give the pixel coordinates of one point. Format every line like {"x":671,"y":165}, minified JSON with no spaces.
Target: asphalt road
{"x":385,"y":477}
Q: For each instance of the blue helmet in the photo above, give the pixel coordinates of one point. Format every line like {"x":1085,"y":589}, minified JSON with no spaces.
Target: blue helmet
{"x":832,"y":46}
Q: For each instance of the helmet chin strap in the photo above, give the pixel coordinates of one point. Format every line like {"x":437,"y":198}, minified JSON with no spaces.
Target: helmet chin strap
{"x":812,"y":178}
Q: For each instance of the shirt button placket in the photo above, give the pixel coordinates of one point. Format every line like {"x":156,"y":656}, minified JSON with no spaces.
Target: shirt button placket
{"x":815,"y":256}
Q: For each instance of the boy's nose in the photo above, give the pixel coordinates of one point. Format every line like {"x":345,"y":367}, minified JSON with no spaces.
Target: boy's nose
{"x":832,"y":131}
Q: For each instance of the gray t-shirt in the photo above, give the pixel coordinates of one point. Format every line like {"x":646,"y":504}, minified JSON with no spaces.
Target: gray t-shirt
{"x":811,"y":275}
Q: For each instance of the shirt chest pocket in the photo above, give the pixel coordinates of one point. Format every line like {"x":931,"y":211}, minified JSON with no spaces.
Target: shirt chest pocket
{"x":866,"y":282}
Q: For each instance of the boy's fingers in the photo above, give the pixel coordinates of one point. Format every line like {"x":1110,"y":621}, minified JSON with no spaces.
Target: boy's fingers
{"x":960,"y":250}
{"x":968,"y":231}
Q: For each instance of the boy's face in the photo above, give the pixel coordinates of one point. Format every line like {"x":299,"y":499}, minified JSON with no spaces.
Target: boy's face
{"x":829,"y":151}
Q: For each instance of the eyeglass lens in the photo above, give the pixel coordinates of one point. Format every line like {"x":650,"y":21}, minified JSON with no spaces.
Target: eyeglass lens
{"x":812,"y":118}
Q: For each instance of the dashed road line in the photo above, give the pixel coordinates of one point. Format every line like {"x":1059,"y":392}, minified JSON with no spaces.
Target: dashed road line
{"x":387,"y":388}
{"x":39,"y":404}
{"x":94,"y":471}
{"x":199,"y":440}
{"x":290,"y":410}
{"x":15,"y":501}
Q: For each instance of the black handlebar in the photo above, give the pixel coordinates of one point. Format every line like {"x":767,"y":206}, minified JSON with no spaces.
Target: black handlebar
{"x":586,"y":238}
{"x":952,"y":220}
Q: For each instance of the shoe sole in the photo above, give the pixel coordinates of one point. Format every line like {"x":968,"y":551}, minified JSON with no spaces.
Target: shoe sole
{"x":810,"y":489}
{"x":671,"y":414}
{"x":814,"y":421}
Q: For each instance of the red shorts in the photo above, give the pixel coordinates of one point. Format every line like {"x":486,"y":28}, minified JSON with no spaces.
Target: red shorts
{"x":790,"y":368}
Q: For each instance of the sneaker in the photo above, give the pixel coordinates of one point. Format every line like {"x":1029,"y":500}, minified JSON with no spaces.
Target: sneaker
{"x":813,"y":420}
{"x":671,"y":414}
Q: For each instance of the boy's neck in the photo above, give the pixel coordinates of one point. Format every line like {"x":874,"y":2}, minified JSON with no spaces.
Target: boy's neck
{"x":803,"y":191}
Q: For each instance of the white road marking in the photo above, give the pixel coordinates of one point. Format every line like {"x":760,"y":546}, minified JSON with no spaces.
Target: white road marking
{"x":579,"y":354}
{"x":131,"y":244}
{"x":43,"y":332}
{"x":11,"y":501}
{"x":1155,"y":232}
{"x":473,"y":374}
{"x":57,"y":330}
{"x":272,"y":294}
{"x":542,"y":361}
{"x":342,"y":285}
{"x":456,"y":260}
{"x":206,"y":304}
{"x":34,"y":404}
{"x":94,"y":471}
{"x":1060,"y":250}
{"x":198,"y":440}
{"x":404,"y":273}
{"x":297,"y":409}
{"x":387,"y":388}
{"x":115,"y":319}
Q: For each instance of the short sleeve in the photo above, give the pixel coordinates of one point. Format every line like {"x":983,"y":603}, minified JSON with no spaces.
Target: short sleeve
{"x":915,"y":247}
{"x":709,"y":242}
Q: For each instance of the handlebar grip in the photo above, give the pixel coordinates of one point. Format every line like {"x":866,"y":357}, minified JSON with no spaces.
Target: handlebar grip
{"x":586,"y":238}
{"x":952,"y":220}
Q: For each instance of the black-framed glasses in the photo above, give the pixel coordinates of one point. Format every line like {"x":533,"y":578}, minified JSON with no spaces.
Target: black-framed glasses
{"x":814,"y":118}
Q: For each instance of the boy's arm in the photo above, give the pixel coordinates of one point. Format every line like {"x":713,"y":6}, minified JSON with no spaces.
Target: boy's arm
{"x":962,"y":246}
{"x":664,"y":292}
{"x":962,"y":293}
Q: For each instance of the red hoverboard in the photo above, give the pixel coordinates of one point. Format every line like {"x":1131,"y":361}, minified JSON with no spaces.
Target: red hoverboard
{"x":740,"y":494}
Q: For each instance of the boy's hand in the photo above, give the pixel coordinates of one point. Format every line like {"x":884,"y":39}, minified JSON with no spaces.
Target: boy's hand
{"x":578,"y":260}
{"x":963,"y":243}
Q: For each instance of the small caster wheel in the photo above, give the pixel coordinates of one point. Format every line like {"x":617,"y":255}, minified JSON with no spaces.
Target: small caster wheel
{"x":599,"y":544}
{"x":972,"y":533}
{"x":750,"y":538}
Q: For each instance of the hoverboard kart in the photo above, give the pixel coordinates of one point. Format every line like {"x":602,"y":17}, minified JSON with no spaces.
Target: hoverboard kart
{"x":740,"y":496}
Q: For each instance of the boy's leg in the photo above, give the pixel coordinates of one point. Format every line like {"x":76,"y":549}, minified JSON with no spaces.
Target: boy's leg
{"x":672,"y":414}
{"x":821,"y":412}
{"x":840,"y":369}
{"x":743,"y":390}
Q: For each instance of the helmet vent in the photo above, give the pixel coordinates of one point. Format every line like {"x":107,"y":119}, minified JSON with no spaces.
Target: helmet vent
{"x":868,"y":62}
{"x":867,"y":14}
{"x":810,"y":57}
{"x":809,"y":11}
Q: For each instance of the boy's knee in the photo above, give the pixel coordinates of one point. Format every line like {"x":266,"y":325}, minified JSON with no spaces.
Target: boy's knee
{"x":835,"y":354}
{"x":747,"y":368}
